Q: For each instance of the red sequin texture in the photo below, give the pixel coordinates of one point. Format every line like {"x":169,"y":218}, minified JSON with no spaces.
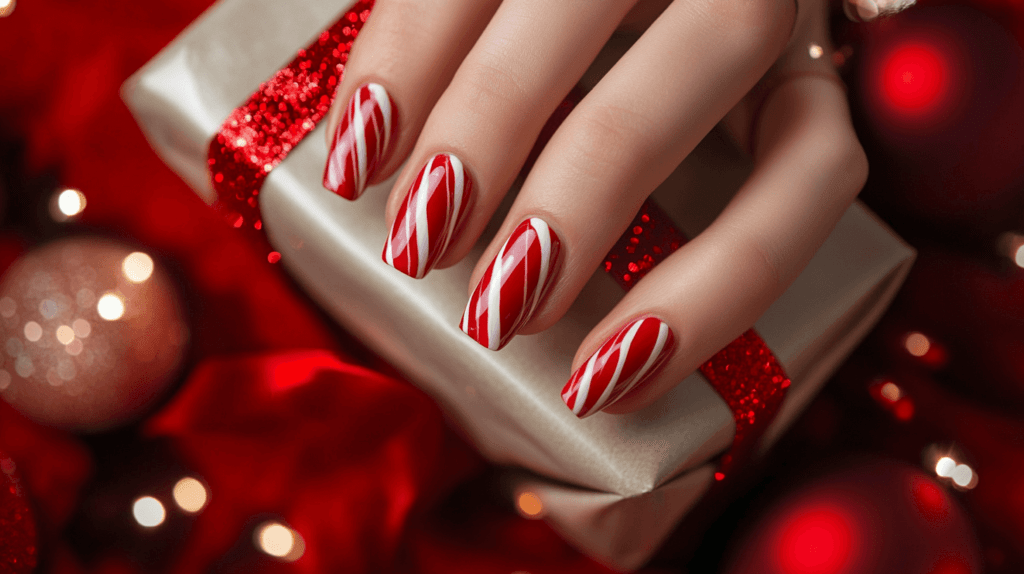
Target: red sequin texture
{"x":745,"y":373}
{"x":750,"y":379}
{"x":259,"y":134}
{"x":17,"y":527}
{"x":649,"y":239}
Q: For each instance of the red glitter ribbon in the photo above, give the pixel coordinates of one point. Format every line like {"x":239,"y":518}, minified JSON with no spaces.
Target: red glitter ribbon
{"x":745,"y":373}
{"x":259,"y":134}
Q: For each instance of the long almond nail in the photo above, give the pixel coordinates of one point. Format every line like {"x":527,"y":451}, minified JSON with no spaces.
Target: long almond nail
{"x":625,"y":360}
{"x":513,"y":285}
{"x":363,"y":137}
{"x":429,"y":217}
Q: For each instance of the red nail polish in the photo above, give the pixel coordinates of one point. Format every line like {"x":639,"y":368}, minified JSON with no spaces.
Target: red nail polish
{"x":363,"y":138}
{"x":625,"y":360}
{"x":430,"y":215}
{"x":513,"y":285}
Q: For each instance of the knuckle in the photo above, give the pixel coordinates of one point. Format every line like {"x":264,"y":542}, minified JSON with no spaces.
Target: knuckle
{"x":494,"y":87}
{"x":609,"y":135}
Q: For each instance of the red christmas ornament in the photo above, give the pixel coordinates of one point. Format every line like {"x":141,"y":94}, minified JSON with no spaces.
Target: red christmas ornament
{"x":17,"y":526}
{"x":877,"y":517}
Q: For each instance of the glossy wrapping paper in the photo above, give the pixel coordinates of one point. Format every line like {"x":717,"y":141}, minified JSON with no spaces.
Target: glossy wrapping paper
{"x":614,"y":486}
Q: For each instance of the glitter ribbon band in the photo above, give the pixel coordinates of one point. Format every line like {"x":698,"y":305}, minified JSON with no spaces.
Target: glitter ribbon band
{"x":259,"y":134}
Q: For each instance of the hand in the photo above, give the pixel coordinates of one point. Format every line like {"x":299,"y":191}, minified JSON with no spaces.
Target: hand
{"x":461,"y":88}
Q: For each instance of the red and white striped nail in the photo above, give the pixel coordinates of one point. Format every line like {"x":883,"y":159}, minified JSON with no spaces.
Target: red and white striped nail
{"x":430,"y":215}
{"x":624,"y":361}
{"x":363,"y":137}
{"x":513,"y":285}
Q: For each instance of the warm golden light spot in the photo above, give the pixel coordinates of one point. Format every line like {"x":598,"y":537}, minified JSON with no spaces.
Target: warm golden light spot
{"x":917,"y":344}
{"x":944,"y":467}
{"x":815,"y":51}
{"x":70,"y":202}
{"x":149,"y":512}
{"x":33,"y":331}
{"x":891,"y":392}
{"x":190,"y":495}
{"x":7,"y":7}
{"x":1018,"y":256}
{"x":280,"y":541}
{"x":137,"y":267}
{"x":530,"y":505}
{"x":65,"y":334}
{"x":110,"y":307}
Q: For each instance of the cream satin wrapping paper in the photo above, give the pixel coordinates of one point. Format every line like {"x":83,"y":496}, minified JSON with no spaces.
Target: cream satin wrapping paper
{"x":612,"y":485}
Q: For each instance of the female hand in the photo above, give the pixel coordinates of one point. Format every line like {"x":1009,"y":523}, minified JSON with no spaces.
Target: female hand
{"x":462,"y":88}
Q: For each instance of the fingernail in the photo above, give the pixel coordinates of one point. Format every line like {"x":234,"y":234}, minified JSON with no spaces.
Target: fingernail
{"x":861,"y":10}
{"x":363,"y":137}
{"x":627,"y":359}
{"x":429,"y":217}
{"x":513,"y":285}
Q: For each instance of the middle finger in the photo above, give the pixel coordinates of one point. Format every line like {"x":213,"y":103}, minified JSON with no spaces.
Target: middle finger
{"x":626,"y":136}
{"x":482,"y":128}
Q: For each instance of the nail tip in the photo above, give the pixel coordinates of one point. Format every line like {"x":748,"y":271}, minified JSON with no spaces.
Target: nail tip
{"x":342,"y":190}
{"x":401,"y":269}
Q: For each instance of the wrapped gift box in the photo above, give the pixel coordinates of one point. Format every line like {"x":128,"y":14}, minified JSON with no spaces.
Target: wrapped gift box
{"x":613,"y":485}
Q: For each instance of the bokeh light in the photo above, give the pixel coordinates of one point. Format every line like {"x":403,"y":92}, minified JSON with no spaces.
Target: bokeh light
{"x":891,"y":391}
{"x":67,"y":203}
{"x":917,"y":344}
{"x":962,"y":475}
{"x":529,"y":505}
{"x":944,"y":467}
{"x":33,"y":331}
{"x":65,"y":334}
{"x":1018,"y":256}
{"x":149,"y":512}
{"x":279,"y":541}
{"x":7,"y":7}
{"x":915,"y":77}
{"x":137,"y":267}
{"x":816,"y":541}
{"x":81,"y":328}
{"x":815,"y":51}
{"x":190,"y":495}
{"x":110,"y":307}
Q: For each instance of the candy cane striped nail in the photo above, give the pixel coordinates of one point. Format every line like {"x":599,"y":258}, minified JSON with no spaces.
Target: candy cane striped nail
{"x":363,"y":137}
{"x":624,"y":361}
{"x":513,"y":285}
{"x":431,"y":213}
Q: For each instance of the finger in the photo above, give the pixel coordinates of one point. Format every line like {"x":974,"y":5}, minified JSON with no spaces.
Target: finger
{"x":403,"y":59}
{"x":626,"y":136}
{"x":808,"y":168}
{"x":523,"y":65}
